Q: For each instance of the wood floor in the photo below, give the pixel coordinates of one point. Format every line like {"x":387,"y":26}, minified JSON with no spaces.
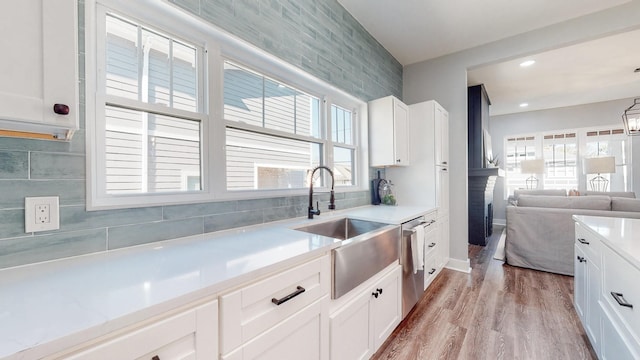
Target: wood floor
{"x":496,"y":312}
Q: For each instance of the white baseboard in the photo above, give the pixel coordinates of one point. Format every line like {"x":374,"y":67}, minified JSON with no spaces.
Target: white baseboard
{"x":459,"y":265}
{"x":500,"y":222}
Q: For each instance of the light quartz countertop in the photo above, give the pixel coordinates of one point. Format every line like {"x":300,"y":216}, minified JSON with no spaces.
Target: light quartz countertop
{"x":48,"y":307}
{"x":620,"y":234}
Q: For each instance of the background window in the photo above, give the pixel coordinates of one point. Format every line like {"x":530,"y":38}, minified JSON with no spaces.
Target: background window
{"x":518,"y":149}
{"x":560,"y":154}
{"x":610,"y":142}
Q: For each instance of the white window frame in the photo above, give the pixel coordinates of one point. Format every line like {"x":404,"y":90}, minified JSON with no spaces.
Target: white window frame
{"x":219,"y":46}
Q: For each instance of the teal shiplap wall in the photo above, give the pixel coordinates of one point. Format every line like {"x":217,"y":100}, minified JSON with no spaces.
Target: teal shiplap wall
{"x":319,"y":37}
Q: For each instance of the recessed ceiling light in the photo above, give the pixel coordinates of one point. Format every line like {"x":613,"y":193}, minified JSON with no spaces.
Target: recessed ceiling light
{"x":523,"y":105}
{"x":527,"y":63}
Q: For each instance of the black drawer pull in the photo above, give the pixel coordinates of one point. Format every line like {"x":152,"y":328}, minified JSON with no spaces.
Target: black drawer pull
{"x":583,"y":241}
{"x":375,"y":294}
{"x":432,"y":271}
{"x":379,"y":291}
{"x":432,"y":244}
{"x":62,"y":109}
{"x":620,"y":299}
{"x":582,"y":259}
{"x":299,"y":291}
{"x":155,"y":357}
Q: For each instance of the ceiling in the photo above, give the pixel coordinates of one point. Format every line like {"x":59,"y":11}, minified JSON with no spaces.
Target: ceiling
{"x":593,"y":71}
{"x":598,"y":70}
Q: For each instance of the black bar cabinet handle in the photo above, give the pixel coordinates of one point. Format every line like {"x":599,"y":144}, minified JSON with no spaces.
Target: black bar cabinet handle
{"x":375,"y":294}
{"x":299,"y":291}
{"x":582,"y":259}
{"x":379,"y":291}
{"x":432,"y":244}
{"x":620,"y":299}
{"x":583,"y":241}
{"x":432,"y":271}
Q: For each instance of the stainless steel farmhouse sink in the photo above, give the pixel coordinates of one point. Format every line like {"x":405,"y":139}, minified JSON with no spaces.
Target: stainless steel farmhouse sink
{"x":366,"y":249}
{"x":343,"y":228}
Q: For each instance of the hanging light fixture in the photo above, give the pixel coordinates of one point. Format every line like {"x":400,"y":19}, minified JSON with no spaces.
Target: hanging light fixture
{"x":631,"y":118}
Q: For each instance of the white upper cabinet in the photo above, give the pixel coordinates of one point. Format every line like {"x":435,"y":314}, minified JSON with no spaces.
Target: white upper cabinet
{"x":39,"y":65}
{"x":388,"y":132}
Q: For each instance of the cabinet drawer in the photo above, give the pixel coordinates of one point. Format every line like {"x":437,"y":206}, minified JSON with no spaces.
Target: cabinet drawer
{"x":589,"y":244}
{"x":250,"y":311}
{"x":619,"y":288}
{"x":189,"y":335}
{"x":430,"y":269}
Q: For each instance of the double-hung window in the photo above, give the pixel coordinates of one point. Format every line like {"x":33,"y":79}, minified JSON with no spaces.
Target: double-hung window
{"x":518,"y":148}
{"x":344,"y":149}
{"x":276,"y":133}
{"x":560,"y":154}
{"x":151,"y":114}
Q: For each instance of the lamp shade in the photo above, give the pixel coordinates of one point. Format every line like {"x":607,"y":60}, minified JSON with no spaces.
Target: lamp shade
{"x":631,"y":118}
{"x":599,"y":165}
{"x":534,"y":166}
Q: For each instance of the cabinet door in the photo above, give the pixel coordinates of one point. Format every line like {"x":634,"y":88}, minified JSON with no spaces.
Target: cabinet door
{"x":40,"y":65}
{"x":401,"y":133}
{"x":441,"y":134}
{"x":615,"y":345}
{"x":442,"y":189}
{"x":592,"y":295}
{"x":579,"y":282}
{"x":387,"y":306}
{"x":443,"y":240}
{"x":351,"y":337}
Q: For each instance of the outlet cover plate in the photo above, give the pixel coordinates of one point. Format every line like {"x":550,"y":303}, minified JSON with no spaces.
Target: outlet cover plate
{"x":33,"y":222}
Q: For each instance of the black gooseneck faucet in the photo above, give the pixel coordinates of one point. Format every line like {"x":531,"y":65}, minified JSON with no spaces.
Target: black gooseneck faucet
{"x":332,"y":200}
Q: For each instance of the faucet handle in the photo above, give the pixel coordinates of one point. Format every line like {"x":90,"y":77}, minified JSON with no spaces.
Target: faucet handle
{"x":317,"y":208}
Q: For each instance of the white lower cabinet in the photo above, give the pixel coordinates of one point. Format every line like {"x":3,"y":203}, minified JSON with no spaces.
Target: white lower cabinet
{"x":284,"y":316}
{"x":189,"y":335}
{"x":606,"y":295}
{"x":361,"y":324}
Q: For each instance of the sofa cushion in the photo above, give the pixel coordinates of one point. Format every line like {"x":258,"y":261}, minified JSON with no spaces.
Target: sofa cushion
{"x":625,"y":204}
{"x":624,"y":194}
{"x":548,"y":192}
{"x":595,"y":202}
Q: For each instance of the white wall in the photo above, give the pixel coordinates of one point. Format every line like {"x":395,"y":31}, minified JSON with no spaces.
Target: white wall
{"x":595,"y":114}
{"x":444,"y":79}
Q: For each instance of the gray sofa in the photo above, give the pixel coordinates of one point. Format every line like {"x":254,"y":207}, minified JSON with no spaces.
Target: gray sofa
{"x":540,"y":229}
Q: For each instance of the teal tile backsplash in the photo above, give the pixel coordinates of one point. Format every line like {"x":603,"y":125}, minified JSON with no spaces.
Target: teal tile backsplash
{"x":320,"y":37}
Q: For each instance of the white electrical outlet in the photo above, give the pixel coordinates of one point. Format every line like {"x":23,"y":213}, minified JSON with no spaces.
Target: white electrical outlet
{"x":41,"y":213}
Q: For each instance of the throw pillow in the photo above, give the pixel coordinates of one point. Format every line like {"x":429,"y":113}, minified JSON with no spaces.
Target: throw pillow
{"x":625,"y":204}
{"x":548,"y":192}
{"x":572,"y":202}
{"x":625,"y":194}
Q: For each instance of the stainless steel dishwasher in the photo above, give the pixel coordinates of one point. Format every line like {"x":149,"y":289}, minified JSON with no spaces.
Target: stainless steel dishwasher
{"x":412,"y":283}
